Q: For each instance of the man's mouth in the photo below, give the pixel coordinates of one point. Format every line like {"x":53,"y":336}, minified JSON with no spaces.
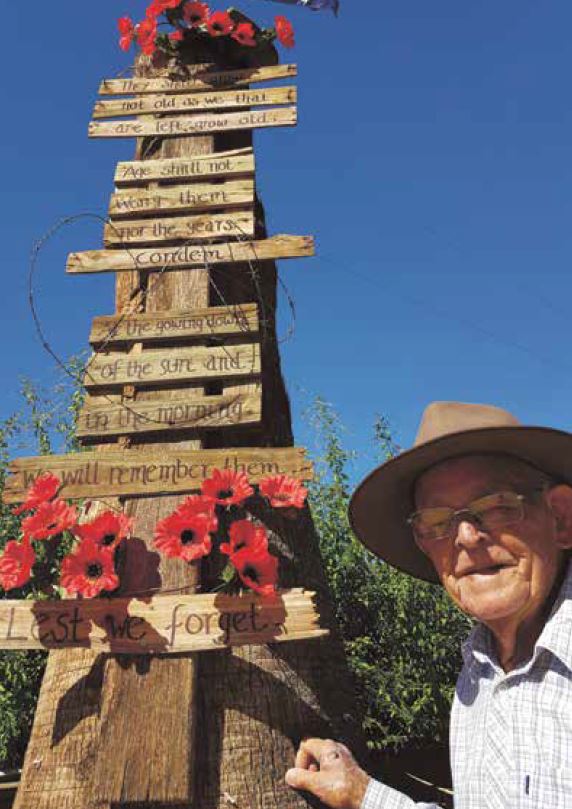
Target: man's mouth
{"x":485,"y":570}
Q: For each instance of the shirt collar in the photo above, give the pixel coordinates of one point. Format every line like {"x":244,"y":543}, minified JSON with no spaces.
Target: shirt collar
{"x":556,"y":635}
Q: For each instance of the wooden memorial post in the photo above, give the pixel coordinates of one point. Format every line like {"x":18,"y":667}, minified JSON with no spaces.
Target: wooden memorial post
{"x":188,"y":362}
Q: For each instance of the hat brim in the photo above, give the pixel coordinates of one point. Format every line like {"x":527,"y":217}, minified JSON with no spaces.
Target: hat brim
{"x":383,"y":501}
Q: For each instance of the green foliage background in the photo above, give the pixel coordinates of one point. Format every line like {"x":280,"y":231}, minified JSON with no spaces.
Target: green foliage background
{"x":45,"y":422}
{"x":402,"y":637}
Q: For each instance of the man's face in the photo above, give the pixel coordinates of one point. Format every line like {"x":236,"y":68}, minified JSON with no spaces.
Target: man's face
{"x":501,"y":574}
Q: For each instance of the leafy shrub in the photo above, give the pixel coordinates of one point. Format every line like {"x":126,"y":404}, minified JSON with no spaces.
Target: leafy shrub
{"x":402,"y":636}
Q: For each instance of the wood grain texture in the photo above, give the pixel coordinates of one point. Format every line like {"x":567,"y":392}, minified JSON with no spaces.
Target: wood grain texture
{"x":166,"y":624}
{"x":214,"y":226}
{"x":164,"y":470}
{"x":171,"y":365}
{"x":159,"y":104}
{"x":187,"y":256}
{"x":218,"y":164}
{"x":172,"y":126}
{"x":200,"y":196}
{"x":201,"y":79}
{"x":175,"y":325}
{"x":188,"y":411}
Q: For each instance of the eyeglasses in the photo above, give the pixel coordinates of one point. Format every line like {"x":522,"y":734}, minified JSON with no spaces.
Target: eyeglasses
{"x":490,"y":512}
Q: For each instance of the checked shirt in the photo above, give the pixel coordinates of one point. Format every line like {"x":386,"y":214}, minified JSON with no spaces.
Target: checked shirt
{"x":511,"y":733}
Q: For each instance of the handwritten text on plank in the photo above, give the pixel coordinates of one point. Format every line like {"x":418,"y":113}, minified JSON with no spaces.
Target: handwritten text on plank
{"x":192,"y":411}
{"x":99,"y":474}
{"x":221,"y":164}
{"x":200,"y":79}
{"x":188,"y":228}
{"x":172,"y":126}
{"x":165,"y":624}
{"x":158,"y":258}
{"x":182,"y":198}
{"x":152,"y":105}
{"x":172,"y":365}
{"x":239,"y":319}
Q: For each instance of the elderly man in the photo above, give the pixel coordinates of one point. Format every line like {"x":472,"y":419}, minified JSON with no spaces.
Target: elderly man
{"x":482,"y":505}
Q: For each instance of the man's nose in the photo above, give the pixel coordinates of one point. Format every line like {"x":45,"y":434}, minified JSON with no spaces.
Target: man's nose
{"x":468,"y":533}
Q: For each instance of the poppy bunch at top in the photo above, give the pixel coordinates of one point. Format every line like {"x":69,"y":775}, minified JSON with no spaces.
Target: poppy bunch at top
{"x":192,"y":18}
{"x":188,"y":532}
{"x":89,"y":568}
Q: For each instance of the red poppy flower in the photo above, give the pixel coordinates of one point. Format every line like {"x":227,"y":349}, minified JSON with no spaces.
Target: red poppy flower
{"x":284,"y":31}
{"x":245,"y":534}
{"x":200,"y":506}
{"x":49,"y":520}
{"x":183,"y":536}
{"x":244,"y":34}
{"x":257,"y":569}
{"x":107,"y":530}
{"x":16,"y":564}
{"x":283,"y":491}
{"x":159,"y":6}
{"x":127,"y":31}
{"x":89,"y":570}
{"x":196,"y":14}
{"x":146,"y":34}
{"x":219,"y":24}
{"x":177,"y":36}
{"x":227,"y":488}
{"x":44,"y":488}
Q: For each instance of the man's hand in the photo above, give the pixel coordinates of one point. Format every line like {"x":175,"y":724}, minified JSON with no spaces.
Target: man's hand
{"x":328,"y":770}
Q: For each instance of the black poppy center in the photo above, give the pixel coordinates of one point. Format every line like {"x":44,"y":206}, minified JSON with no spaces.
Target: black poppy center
{"x":195,"y":18}
{"x":108,"y":539}
{"x":240,"y":545}
{"x":52,"y":526}
{"x":251,"y":573}
{"x":218,"y":27}
{"x":224,"y":494}
{"x":187,"y":536}
{"x":94,"y":570}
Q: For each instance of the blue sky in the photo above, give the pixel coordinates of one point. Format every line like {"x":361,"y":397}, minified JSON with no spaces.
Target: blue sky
{"x":432,"y":162}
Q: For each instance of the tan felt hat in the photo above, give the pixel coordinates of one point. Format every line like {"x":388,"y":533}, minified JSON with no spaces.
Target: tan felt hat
{"x":383,"y":501}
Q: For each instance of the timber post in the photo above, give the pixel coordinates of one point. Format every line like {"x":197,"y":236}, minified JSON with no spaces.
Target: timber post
{"x":117,"y":730}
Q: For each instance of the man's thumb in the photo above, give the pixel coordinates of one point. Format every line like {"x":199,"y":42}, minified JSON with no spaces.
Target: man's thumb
{"x":301,"y":779}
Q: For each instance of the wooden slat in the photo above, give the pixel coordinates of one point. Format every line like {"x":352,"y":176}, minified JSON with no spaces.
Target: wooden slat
{"x":161,"y":471}
{"x":190,"y":411}
{"x":229,"y":99}
{"x":170,"y":365}
{"x":171,"y":126}
{"x":175,"y":325}
{"x":199,"y":196}
{"x":165,"y":623}
{"x":201,"y":80}
{"x":188,"y":255}
{"x":220,"y":164}
{"x":184,"y":228}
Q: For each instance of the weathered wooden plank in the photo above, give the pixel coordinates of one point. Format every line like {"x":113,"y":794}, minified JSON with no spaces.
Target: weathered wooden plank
{"x":227,"y":99}
{"x":219,"y":164}
{"x":171,"y":126}
{"x":191,"y":411}
{"x":199,"y":196}
{"x":166,"y":623}
{"x":166,"y":470}
{"x":170,"y":365}
{"x":187,"y":228}
{"x":188,"y":255}
{"x":242,"y":318}
{"x":201,"y":79}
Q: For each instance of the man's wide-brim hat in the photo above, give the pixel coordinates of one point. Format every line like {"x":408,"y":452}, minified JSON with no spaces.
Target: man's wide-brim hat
{"x":382,"y":503}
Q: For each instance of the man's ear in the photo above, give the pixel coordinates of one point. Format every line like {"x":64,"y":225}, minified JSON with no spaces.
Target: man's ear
{"x":559,"y":499}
